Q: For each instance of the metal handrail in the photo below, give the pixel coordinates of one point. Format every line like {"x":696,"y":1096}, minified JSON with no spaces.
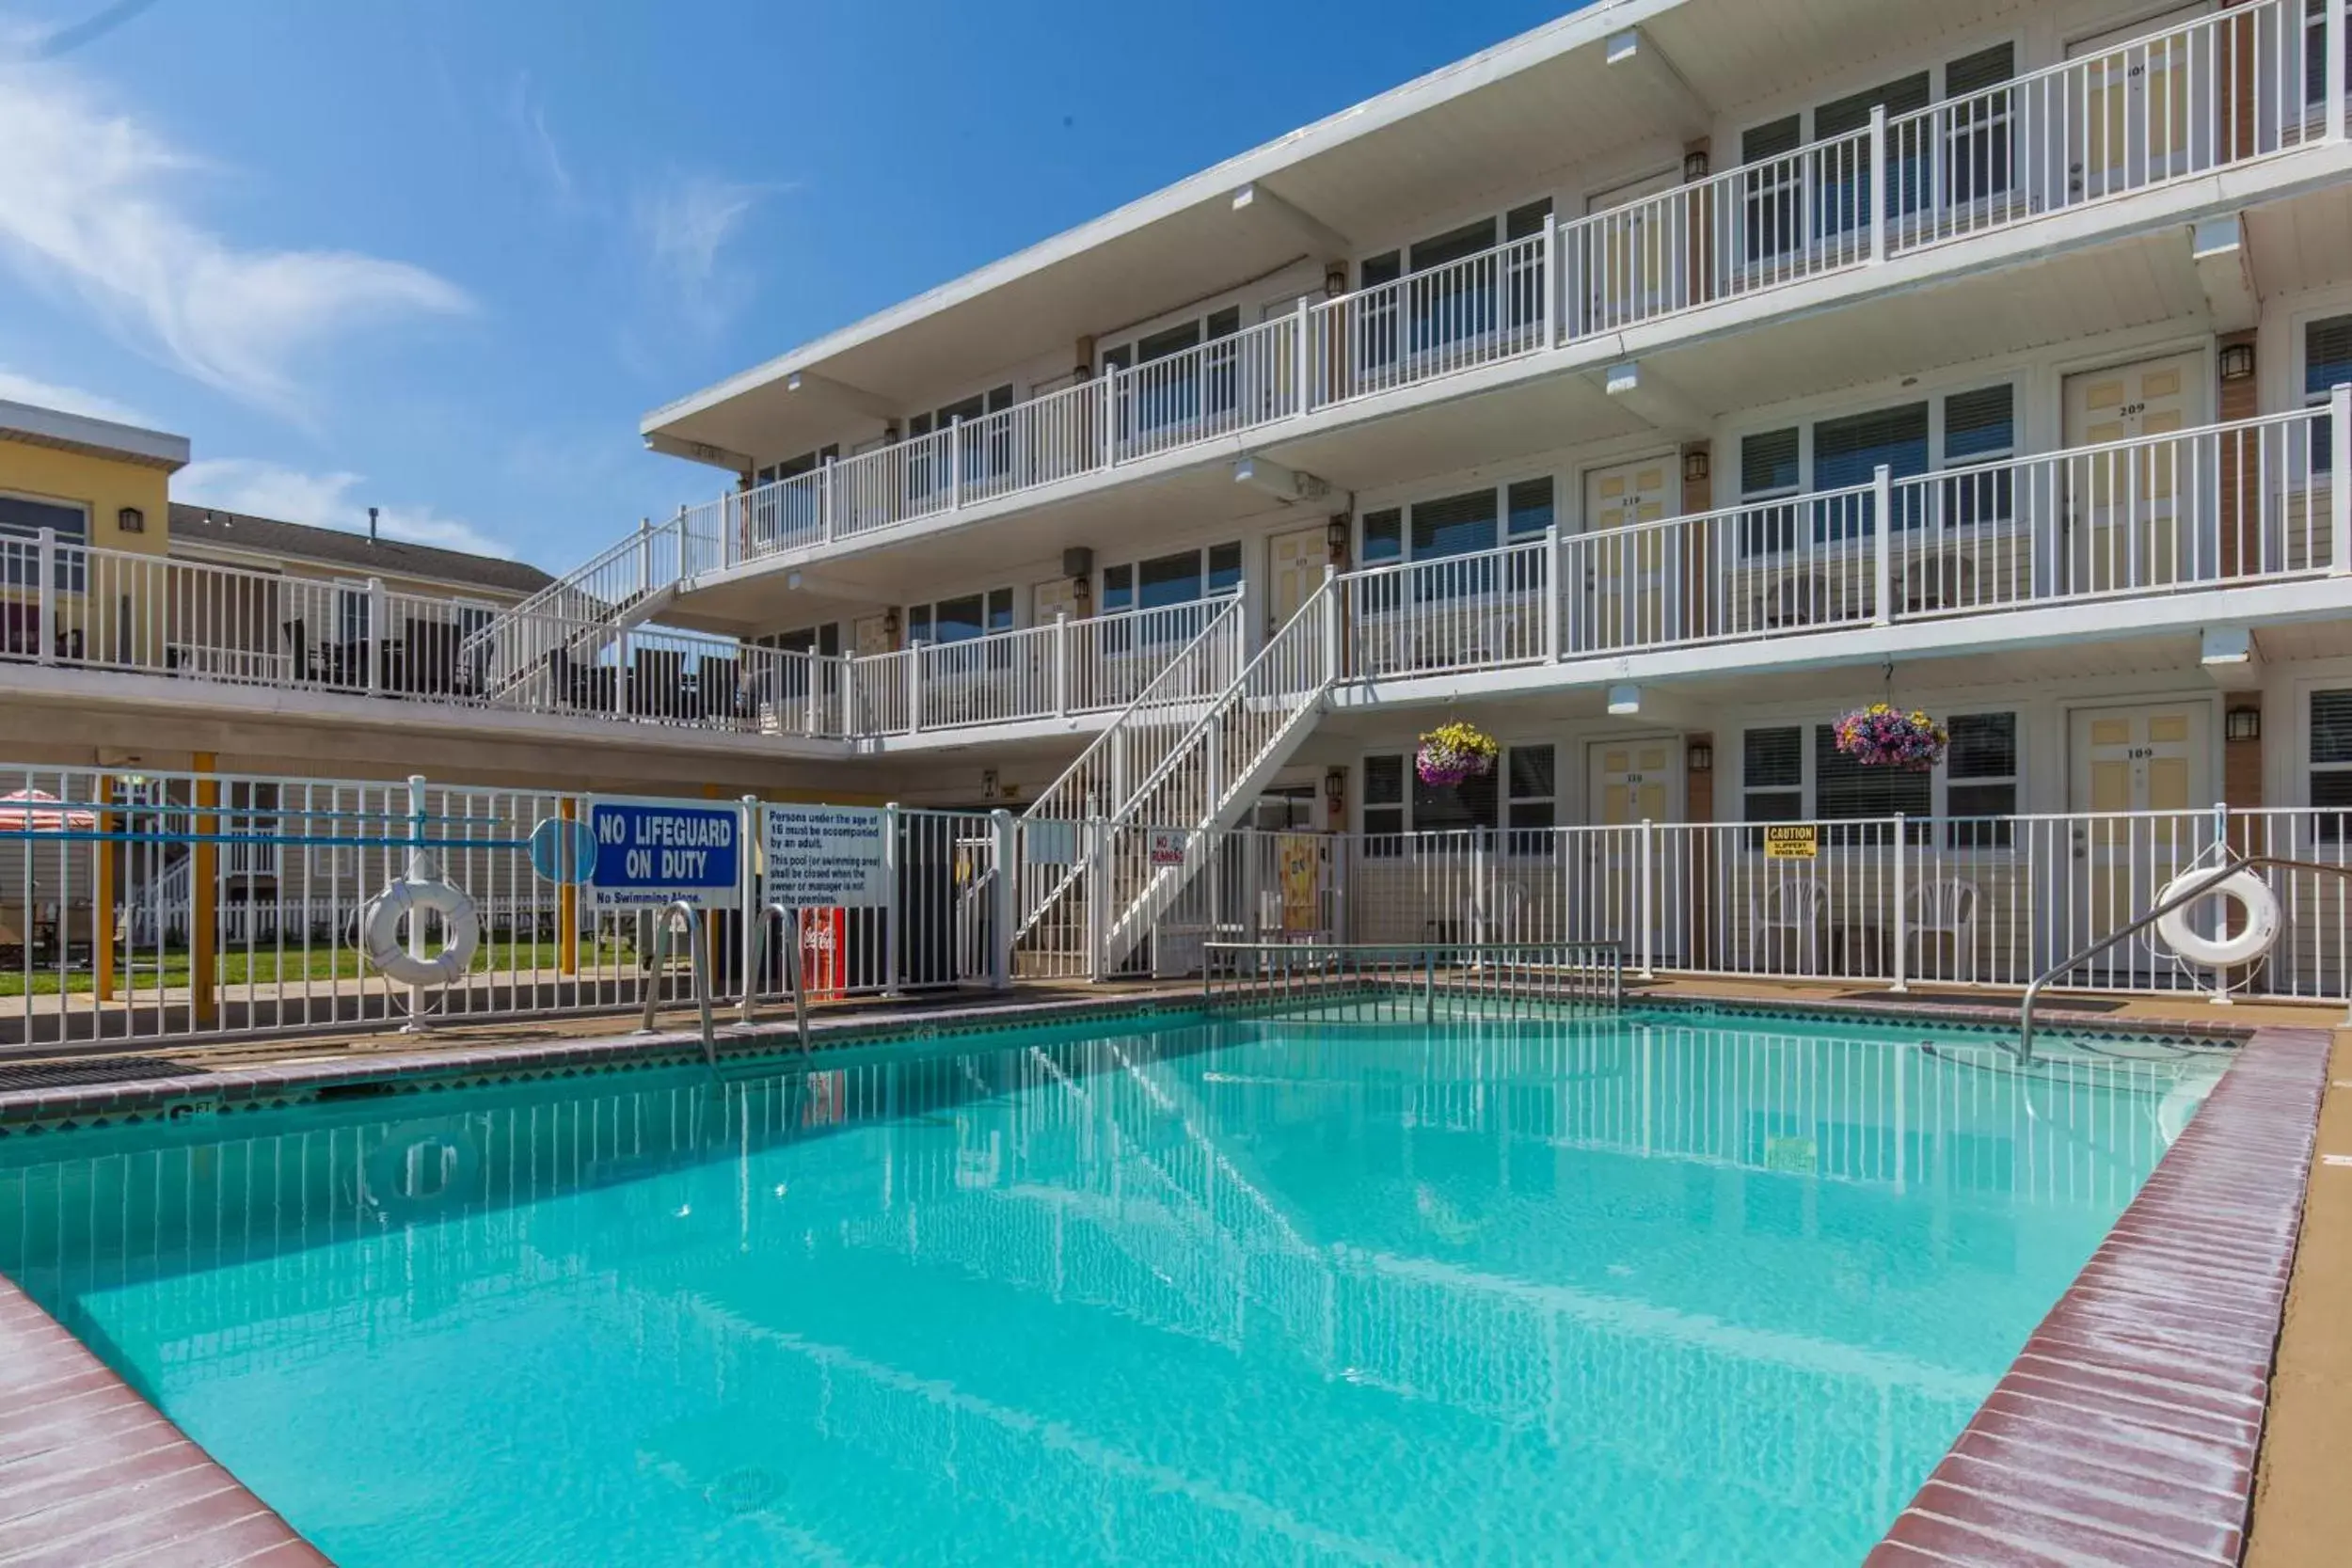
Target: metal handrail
{"x":793,"y":980}
{"x":698,"y":952}
{"x":2220,"y":875}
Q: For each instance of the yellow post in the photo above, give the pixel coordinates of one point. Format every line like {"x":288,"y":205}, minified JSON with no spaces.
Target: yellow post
{"x":567,"y":904}
{"x":205,"y":894}
{"x":102,"y":938}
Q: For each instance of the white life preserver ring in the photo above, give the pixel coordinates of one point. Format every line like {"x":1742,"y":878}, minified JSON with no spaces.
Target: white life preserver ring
{"x":379,"y":932}
{"x":2242,"y":888}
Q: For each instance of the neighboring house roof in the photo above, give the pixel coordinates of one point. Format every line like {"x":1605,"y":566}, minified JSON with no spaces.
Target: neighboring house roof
{"x":347,"y":551}
{"x":53,"y":427}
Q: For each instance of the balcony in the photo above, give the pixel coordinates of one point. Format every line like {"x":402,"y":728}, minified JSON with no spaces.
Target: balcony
{"x":2215,"y":93}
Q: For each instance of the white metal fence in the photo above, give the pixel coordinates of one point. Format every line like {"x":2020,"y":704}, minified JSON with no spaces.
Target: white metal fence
{"x":156,"y":907}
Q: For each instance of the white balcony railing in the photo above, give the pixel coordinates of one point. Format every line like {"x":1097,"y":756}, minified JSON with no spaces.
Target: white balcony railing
{"x":2224,"y":89}
{"x":2223,"y":506}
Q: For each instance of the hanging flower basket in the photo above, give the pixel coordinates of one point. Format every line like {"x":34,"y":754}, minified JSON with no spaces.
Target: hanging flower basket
{"x":1453,"y":752}
{"x":1882,"y":736}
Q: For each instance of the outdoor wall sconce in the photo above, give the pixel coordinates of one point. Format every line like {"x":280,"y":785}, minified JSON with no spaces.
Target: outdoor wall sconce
{"x":131,"y":521}
{"x":2237,"y":362}
{"x":890,"y":622}
{"x":1335,"y":794}
{"x":1335,"y":534}
{"x":1699,"y":757}
{"x":2243,"y":724}
{"x":1696,"y":467}
{"x":1694,"y":166}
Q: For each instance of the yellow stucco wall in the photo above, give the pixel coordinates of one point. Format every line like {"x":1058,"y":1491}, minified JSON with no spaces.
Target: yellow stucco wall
{"x":104,"y":486}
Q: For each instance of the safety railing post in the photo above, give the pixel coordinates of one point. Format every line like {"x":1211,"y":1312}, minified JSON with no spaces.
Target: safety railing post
{"x":418,"y":870}
{"x":894,"y":905}
{"x":1332,"y":667}
{"x":375,"y":647}
{"x":826,"y":504}
{"x":1061,"y":664}
{"x":1901,"y":921}
{"x":955,"y":463}
{"x":1110,"y":415}
{"x":1882,"y":557}
{"x":1547,"y":281}
{"x":1097,"y":852}
{"x":1645,"y":911}
{"x":1005,"y":914}
{"x":1298,"y":356}
{"x":1551,"y":594}
{"x":749,"y":897}
{"x":914,"y":687}
{"x":1875,"y":184}
{"x":2339,"y":480}
{"x":46,"y":626}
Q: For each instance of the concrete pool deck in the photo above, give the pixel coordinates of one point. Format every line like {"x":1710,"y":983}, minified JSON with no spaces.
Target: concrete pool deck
{"x":2130,"y":1431}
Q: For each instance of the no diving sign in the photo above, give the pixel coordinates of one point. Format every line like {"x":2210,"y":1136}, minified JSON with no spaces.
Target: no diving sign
{"x":651,"y":855}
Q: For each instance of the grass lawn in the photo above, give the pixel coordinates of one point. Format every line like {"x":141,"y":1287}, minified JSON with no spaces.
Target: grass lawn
{"x":267,"y":966}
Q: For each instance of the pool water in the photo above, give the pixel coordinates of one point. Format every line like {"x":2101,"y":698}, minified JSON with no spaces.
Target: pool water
{"x":1648,"y":1290}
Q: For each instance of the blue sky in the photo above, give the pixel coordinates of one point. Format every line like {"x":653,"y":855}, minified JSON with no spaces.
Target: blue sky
{"x":438,"y":256}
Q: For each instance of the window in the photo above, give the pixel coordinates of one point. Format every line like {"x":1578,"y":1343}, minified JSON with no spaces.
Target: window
{"x":1773,"y":774}
{"x":1384,"y":795}
{"x":1973,"y":428}
{"x":1182,"y":578}
{"x":792,"y":467}
{"x":1981,"y":781}
{"x":2331,"y":766}
{"x":352,"y":607}
{"x":22,"y":518}
{"x":1845,"y":180}
{"x":2327,"y":360}
{"x":1533,"y":809}
{"x":1384,"y":536}
{"x":1977,"y":150}
{"x":1790,"y":775}
{"x":960,"y":619}
{"x":1529,"y":505}
{"x":825,"y":639}
{"x":1455,"y":525}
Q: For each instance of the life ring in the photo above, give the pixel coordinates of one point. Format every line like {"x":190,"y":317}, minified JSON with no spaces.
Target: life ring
{"x":379,"y":932}
{"x":2242,"y":888}
{"x":396,"y":1171}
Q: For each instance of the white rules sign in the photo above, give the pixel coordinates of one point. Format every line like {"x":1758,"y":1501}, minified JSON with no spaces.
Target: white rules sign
{"x":826,"y":857}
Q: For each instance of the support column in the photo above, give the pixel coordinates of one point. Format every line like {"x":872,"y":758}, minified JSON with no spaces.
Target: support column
{"x":567,"y":901}
{"x":102,"y":938}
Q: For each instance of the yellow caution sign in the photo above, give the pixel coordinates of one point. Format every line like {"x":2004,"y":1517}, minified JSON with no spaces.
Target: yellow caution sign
{"x":1792,"y":841}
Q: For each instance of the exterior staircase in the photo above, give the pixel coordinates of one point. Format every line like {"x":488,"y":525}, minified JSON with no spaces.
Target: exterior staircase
{"x":1184,"y":756}
{"x":586,"y":608}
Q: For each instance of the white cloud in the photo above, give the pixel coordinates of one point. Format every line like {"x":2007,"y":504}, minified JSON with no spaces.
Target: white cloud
{"x":684,"y":223}
{"x":90,"y":202}
{"x":265,"y":489}
{"x":15,"y":388}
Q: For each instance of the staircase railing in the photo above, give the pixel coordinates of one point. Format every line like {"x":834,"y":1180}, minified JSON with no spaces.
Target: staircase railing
{"x":618,"y":581}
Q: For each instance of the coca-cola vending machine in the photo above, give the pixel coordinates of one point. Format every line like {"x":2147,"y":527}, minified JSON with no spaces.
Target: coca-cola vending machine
{"x":824,"y":952}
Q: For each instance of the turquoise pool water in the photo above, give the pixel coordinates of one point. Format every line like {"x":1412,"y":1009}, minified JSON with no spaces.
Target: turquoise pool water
{"x":1652,"y":1291}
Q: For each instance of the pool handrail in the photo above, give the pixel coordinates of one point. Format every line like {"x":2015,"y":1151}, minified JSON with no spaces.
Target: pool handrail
{"x":698,"y":952}
{"x":2228,"y":867}
{"x":794,"y":981}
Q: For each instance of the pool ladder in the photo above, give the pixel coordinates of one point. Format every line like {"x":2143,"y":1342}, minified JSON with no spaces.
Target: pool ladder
{"x":791,"y":919}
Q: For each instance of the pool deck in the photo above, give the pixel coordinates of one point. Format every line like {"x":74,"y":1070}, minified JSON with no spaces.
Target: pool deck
{"x":2131,"y":1430}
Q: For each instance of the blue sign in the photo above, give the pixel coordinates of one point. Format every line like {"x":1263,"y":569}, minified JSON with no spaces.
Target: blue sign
{"x":650,"y":855}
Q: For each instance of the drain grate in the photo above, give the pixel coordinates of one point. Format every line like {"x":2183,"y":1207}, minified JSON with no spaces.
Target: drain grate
{"x":72,"y":1071}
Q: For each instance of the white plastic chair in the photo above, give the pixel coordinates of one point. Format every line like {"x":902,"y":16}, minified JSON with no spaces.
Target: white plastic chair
{"x":1793,"y":903}
{"x":1945,"y":908}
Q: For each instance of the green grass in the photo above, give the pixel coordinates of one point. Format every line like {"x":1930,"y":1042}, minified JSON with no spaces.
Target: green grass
{"x":265,"y":966}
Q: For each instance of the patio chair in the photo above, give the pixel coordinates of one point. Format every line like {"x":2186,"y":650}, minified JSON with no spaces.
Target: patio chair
{"x":1945,"y":907}
{"x":1797,"y":905}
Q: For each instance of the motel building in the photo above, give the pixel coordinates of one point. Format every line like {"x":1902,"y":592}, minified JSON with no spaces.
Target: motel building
{"x":1647,"y":391}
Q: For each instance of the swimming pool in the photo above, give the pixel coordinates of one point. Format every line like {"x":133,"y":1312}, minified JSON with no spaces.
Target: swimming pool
{"x":1647,"y":1290}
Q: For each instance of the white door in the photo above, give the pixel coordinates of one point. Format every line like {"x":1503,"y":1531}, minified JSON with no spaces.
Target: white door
{"x":1627,"y":571}
{"x":2147,"y":770}
{"x":2135,"y":103}
{"x":1052,"y":597}
{"x":1632,"y":263}
{"x":1633,"y":781}
{"x":2133,"y":514}
{"x":1294,"y":563}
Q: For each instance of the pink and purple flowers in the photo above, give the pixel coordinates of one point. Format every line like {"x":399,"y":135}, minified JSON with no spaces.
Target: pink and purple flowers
{"x":1882,"y":736}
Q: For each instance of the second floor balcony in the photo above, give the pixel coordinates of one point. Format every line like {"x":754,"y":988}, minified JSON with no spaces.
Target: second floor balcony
{"x":2048,"y":547}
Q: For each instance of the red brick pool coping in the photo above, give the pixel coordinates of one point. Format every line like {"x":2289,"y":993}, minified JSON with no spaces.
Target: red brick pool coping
{"x":2126,"y":1432}
{"x":91,"y":1474}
